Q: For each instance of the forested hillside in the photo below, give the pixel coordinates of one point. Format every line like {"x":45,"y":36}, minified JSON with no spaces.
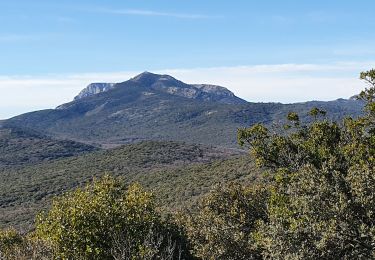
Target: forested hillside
{"x":178,"y":173}
{"x":19,"y":146}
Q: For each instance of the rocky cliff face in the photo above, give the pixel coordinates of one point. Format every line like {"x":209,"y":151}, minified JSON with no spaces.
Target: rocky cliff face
{"x":170,"y":85}
{"x":94,"y":88}
{"x":204,"y":92}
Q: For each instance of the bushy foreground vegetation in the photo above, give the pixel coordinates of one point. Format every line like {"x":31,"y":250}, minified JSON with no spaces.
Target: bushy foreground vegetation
{"x":317,"y":202}
{"x":222,"y":225}
{"x":104,"y":220}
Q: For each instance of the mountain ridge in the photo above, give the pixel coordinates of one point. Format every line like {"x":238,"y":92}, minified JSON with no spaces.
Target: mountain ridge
{"x":160,"y":107}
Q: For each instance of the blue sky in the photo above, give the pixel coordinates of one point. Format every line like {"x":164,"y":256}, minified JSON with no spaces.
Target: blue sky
{"x":51,"y":42}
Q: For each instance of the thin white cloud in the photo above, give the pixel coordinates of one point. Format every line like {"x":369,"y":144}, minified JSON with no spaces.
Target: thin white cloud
{"x":284,"y":83}
{"x":359,"y":50}
{"x":140,"y":12}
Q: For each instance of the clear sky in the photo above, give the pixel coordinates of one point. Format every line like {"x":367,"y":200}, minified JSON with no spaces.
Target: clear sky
{"x":269,"y":50}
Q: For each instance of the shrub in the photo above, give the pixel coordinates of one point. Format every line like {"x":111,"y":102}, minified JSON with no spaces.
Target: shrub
{"x":9,"y":240}
{"x":105,"y":220}
{"x":14,"y":245}
{"x":223,"y":224}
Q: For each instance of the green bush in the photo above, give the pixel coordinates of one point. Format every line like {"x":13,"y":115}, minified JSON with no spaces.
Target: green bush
{"x":9,"y":240}
{"x":105,"y":220}
{"x":223,"y":224}
{"x":14,"y":245}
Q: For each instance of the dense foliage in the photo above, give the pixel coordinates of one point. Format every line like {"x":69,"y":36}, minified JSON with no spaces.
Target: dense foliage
{"x":9,"y":239}
{"x":14,"y":245}
{"x":105,"y":220}
{"x":223,"y":224}
{"x":322,"y":201}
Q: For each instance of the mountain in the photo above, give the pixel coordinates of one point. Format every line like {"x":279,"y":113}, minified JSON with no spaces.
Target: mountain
{"x":170,"y":85}
{"x":178,"y":173}
{"x":160,"y":107}
{"x":24,"y":147}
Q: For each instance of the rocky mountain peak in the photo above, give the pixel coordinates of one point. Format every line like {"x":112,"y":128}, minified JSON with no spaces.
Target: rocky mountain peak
{"x":94,"y":88}
{"x":170,"y":85}
{"x":148,"y":79}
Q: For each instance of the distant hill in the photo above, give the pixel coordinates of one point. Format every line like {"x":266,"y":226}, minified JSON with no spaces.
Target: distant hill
{"x":178,"y":173}
{"x":160,"y":107}
{"x":20,"y":146}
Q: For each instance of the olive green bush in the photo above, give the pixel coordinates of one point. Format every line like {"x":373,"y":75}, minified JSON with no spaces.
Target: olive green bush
{"x":222,"y":225}
{"x":9,"y":239}
{"x":14,"y":245}
{"x":105,"y":220}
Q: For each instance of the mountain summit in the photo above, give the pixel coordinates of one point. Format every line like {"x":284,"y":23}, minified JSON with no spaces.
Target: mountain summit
{"x":169,"y":85}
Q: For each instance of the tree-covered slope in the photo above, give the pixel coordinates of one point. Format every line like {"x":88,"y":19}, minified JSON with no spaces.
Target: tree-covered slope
{"x":24,"y":146}
{"x":178,"y":173}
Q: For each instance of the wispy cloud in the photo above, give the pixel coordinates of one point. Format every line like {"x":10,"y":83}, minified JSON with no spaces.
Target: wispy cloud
{"x":140,"y":12}
{"x":356,"y":50}
{"x":260,"y":83}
